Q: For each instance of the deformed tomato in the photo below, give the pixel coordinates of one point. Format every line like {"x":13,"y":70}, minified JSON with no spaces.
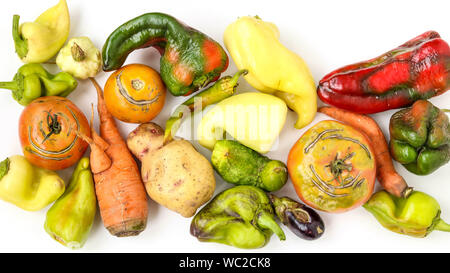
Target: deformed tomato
{"x":135,"y":93}
{"x":48,"y":132}
{"x":332,"y":167}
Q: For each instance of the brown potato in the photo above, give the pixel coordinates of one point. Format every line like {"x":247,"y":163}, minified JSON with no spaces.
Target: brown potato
{"x":175,"y":175}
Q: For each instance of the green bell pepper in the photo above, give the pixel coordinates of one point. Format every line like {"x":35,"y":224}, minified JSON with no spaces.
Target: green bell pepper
{"x":33,"y":81}
{"x":241,"y":216}
{"x":420,"y":137}
{"x":70,"y":219}
{"x":417,"y":215}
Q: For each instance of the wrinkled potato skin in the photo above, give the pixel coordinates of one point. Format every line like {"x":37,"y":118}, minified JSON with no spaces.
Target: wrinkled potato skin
{"x":175,"y":175}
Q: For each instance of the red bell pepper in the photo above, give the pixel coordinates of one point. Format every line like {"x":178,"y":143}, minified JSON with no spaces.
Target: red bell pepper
{"x":418,"y":69}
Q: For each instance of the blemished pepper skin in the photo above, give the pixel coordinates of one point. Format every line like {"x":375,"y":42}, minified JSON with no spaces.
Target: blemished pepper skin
{"x":240,"y":165}
{"x":304,"y":222}
{"x":420,"y":137}
{"x":417,"y":215}
{"x":27,"y":186}
{"x":418,"y":69}
{"x":70,"y":219}
{"x":33,"y":81}
{"x":189,"y":59}
{"x":241,"y":216}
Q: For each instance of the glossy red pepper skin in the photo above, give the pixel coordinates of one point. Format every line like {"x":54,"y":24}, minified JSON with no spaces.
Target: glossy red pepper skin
{"x":418,"y":69}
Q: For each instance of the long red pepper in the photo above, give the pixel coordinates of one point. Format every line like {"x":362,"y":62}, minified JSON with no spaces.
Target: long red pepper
{"x":418,"y":69}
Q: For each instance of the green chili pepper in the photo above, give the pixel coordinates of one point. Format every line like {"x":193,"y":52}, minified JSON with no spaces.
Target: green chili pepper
{"x":33,"y":81}
{"x":417,"y":215}
{"x":190,"y":59}
{"x":222,"y":89}
{"x":420,"y":137}
{"x":241,"y":217}
{"x":70,"y":219}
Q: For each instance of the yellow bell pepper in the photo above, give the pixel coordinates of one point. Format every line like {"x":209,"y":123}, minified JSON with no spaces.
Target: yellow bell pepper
{"x":253,"y":44}
{"x":253,"y":119}
{"x":27,"y":186}
{"x":39,"y":41}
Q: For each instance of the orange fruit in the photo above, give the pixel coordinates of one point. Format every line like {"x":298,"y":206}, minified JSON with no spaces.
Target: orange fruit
{"x":135,"y":93}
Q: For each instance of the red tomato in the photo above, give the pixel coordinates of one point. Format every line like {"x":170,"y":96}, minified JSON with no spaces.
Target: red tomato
{"x":48,"y":132}
{"x":332,"y":167}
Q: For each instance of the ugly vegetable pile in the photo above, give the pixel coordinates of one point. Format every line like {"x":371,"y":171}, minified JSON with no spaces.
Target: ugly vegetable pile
{"x":333,"y":166}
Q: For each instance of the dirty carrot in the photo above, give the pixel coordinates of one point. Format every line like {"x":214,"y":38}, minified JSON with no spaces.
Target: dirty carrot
{"x":386,"y":174}
{"x":120,"y":192}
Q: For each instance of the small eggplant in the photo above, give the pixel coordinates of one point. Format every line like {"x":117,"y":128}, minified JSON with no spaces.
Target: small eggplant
{"x":301,"y":220}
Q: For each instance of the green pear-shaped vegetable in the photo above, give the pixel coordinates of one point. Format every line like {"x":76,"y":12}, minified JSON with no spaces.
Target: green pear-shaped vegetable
{"x":70,"y":219}
{"x":240,"y":165}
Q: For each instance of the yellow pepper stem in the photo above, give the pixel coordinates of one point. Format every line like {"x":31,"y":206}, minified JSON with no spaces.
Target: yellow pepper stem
{"x":20,"y":44}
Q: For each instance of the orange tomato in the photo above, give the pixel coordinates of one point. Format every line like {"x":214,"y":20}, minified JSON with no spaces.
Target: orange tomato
{"x":48,"y":132}
{"x":332,"y":167}
{"x":135,"y":93}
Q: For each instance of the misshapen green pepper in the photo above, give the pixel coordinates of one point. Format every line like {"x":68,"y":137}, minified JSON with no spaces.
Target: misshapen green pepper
{"x":420,"y":137}
{"x":33,"y":81}
{"x":70,"y":219}
{"x":190,"y":59}
{"x":241,"y":217}
{"x":27,"y":186}
{"x":417,"y":215}
{"x":241,"y":165}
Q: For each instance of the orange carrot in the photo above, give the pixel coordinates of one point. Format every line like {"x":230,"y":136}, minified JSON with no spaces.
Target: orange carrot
{"x":120,"y":192}
{"x":386,"y":174}
{"x":98,"y":146}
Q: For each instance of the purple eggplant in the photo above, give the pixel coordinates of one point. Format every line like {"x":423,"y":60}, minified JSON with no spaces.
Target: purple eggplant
{"x":300,"y":219}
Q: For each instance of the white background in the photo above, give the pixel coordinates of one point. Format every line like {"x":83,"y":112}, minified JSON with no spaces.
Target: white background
{"x":327,"y":34}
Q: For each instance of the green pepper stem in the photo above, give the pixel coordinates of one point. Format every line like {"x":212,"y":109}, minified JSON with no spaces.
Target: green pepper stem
{"x":446,"y":110}
{"x":442,"y":226}
{"x":20,"y":44}
{"x":9,"y":85}
{"x":266,"y":220}
{"x":4,"y":167}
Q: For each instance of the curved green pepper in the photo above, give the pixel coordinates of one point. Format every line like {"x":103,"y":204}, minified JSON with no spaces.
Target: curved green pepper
{"x":70,"y":219}
{"x":190,"y":59}
{"x":33,"y":81}
{"x":420,"y":137}
{"x":27,"y":186}
{"x":417,"y":215}
{"x":241,"y":165}
{"x":241,"y":217}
